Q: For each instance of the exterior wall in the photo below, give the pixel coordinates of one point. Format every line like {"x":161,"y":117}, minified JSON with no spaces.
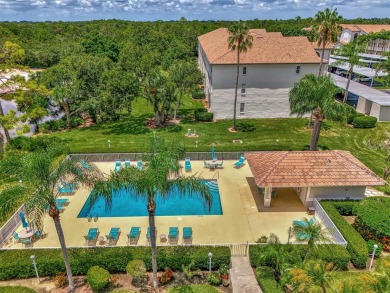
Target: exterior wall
{"x":266,"y":90}
{"x":347,"y":36}
{"x":378,"y":46}
{"x":375,"y":110}
{"x":341,"y":192}
{"x":364,"y":106}
{"x":206,"y":71}
{"x":384,"y":113}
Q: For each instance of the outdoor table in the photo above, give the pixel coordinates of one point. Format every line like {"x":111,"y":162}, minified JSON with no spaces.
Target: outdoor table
{"x":26,"y":233}
{"x":163,"y":238}
{"x":212,"y":164}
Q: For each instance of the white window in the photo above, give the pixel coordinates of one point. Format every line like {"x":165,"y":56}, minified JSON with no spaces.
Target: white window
{"x":298,"y":69}
{"x":243,"y":89}
{"x":244,"y":70}
{"x":242,"y":108}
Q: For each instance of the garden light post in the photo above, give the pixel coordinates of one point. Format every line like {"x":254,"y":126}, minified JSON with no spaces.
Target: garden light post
{"x":210,"y":257}
{"x":109,"y":143}
{"x":372,"y":257}
{"x":35,"y":266}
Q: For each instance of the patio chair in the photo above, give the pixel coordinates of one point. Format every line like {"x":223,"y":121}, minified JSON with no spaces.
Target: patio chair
{"x":64,"y":190}
{"x":38,"y":234}
{"x":15,"y":237}
{"x":127,"y":163}
{"x":187,"y":235}
{"x":72,"y":185}
{"x":113,"y":236}
{"x":140,"y":164}
{"x":220,"y":165}
{"x":187,"y":164}
{"x":85,"y":165}
{"x":240,"y":162}
{"x":133,"y":236}
{"x":173,"y":235}
{"x":206,"y":164}
{"x":92,"y":236}
{"x":303,"y":223}
{"x":117,"y":166}
{"x":27,"y":241}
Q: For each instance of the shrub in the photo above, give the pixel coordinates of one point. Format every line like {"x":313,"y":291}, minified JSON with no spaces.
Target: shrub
{"x":352,"y":116}
{"x":31,"y":144}
{"x":261,"y":255}
{"x":356,"y":246}
{"x":58,"y":125}
{"x":201,"y":114}
{"x":193,"y":288}
{"x":189,"y":273}
{"x":60,"y":280}
{"x":266,"y":278}
{"x":262,"y":239}
{"x":137,"y":270}
{"x":246,"y":127}
{"x":364,"y":122}
{"x":198,"y":95}
{"x":370,"y":245}
{"x":214,"y":278}
{"x":97,"y":278}
{"x":332,"y":253}
{"x":17,"y":264}
{"x":345,"y":207}
{"x":372,"y":222}
{"x":166,"y":276}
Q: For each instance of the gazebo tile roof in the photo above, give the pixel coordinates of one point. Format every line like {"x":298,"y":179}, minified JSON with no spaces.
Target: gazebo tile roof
{"x":308,"y":168}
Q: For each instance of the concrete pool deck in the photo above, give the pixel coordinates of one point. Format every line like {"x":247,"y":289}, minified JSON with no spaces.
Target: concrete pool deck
{"x":244,"y":217}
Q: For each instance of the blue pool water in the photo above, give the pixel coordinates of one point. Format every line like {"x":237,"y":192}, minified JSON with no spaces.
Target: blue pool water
{"x":126,"y":205}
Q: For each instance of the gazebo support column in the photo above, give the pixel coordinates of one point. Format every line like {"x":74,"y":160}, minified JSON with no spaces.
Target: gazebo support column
{"x":267,"y":197}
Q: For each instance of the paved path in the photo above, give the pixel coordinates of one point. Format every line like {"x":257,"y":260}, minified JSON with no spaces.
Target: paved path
{"x":242,"y":276}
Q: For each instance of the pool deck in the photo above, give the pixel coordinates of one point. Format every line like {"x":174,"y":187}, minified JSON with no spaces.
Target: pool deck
{"x":244,"y":217}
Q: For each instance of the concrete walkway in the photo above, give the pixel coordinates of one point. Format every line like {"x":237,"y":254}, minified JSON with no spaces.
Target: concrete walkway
{"x":242,"y":276}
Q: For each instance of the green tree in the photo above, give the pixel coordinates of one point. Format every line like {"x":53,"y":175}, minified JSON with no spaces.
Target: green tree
{"x":185,"y":76}
{"x":316,"y":94}
{"x":239,"y":39}
{"x":157,"y":178}
{"x":327,"y":28}
{"x":309,"y":232}
{"x":313,"y":278}
{"x":385,"y":67}
{"x":40,"y":175}
{"x":351,"y":53}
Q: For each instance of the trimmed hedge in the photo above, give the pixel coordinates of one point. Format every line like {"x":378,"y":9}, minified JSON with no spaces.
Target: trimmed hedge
{"x":364,"y":122}
{"x":203,"y":115}
{"x":17,"y":263}
{"x":266,"y":278}
{"x":336,"y":254}
{"x":97,"y":278}
{"x":352,"y":116}
{"x":344,"y":206}
{"x":198,"y":95}
{"x":356,"y":246}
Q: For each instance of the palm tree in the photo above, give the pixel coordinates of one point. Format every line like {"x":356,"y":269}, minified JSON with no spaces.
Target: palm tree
{"x":157,"y":178}
{"x":310,"y":232}
{"x":40,"y":175}
{"x":314,"y":277}
{"x":351,"y":53}
{"x":327,"y":28}
{"x":316,"y":94}
{"x":239,"y":39}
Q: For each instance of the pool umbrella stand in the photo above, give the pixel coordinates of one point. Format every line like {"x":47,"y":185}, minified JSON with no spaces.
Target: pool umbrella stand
{"x":213,"y":153}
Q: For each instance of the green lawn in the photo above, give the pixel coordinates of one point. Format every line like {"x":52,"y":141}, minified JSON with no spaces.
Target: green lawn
{"x":193,"y":289}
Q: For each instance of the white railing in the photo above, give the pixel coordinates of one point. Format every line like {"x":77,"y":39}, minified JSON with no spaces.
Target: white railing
{"x":11,"y":225}
{"x":330,"y":226}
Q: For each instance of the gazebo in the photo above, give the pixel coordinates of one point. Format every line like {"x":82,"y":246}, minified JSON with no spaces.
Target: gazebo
{"x":322,"y":174}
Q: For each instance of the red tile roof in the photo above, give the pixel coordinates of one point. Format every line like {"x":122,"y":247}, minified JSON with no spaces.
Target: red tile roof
{"x":367,"y":28}
{"x":266,"y":48}
{"x":309,"y":169}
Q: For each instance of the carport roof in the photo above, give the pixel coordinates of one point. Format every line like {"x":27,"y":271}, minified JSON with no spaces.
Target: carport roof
{"x":309,"y":169}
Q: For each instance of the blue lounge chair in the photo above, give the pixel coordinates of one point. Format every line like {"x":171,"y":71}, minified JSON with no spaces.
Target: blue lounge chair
{"x":133,"y":236}
{"x":240,"y":162}
{"x":140,"y":165}
{"x":117,"y":166}
{"x":187,"y":235}
{"x":72,"y":185}
{"x":173,"y":235}
{"x":127,"y":163}
{"x":64,"y":190}
{"x":85,"y":165}
{"x":113,"y":236}
{"x":91,"y":237}
{"x":303,"y":223}
{"x":16,"y":237}
{"x":148,"y":234}
{"x":187,"y":164}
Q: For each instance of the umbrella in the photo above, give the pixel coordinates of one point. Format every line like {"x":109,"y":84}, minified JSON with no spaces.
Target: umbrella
{"x":213,"y":153}
{"x":23,"y":219}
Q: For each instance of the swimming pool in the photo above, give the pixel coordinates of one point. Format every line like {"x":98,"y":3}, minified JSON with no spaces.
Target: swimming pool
{"x":126,"y":205}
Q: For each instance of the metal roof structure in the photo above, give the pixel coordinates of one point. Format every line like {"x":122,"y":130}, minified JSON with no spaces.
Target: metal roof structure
{"x":379,"y":97}
{"x":365,"y":71}
{"x":373,"y":56}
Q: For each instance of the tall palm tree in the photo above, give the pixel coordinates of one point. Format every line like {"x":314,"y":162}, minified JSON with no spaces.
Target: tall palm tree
{"x":40,"y":175}
{"x":157,"y":178}
{"x":316,"y":94}
{"x":239,"y":39}
{"x":327,"y":28}
{"x":351,"y":53}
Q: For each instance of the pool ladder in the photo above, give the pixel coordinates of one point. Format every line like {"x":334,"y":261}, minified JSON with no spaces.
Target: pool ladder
{"x":215,"y":174}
